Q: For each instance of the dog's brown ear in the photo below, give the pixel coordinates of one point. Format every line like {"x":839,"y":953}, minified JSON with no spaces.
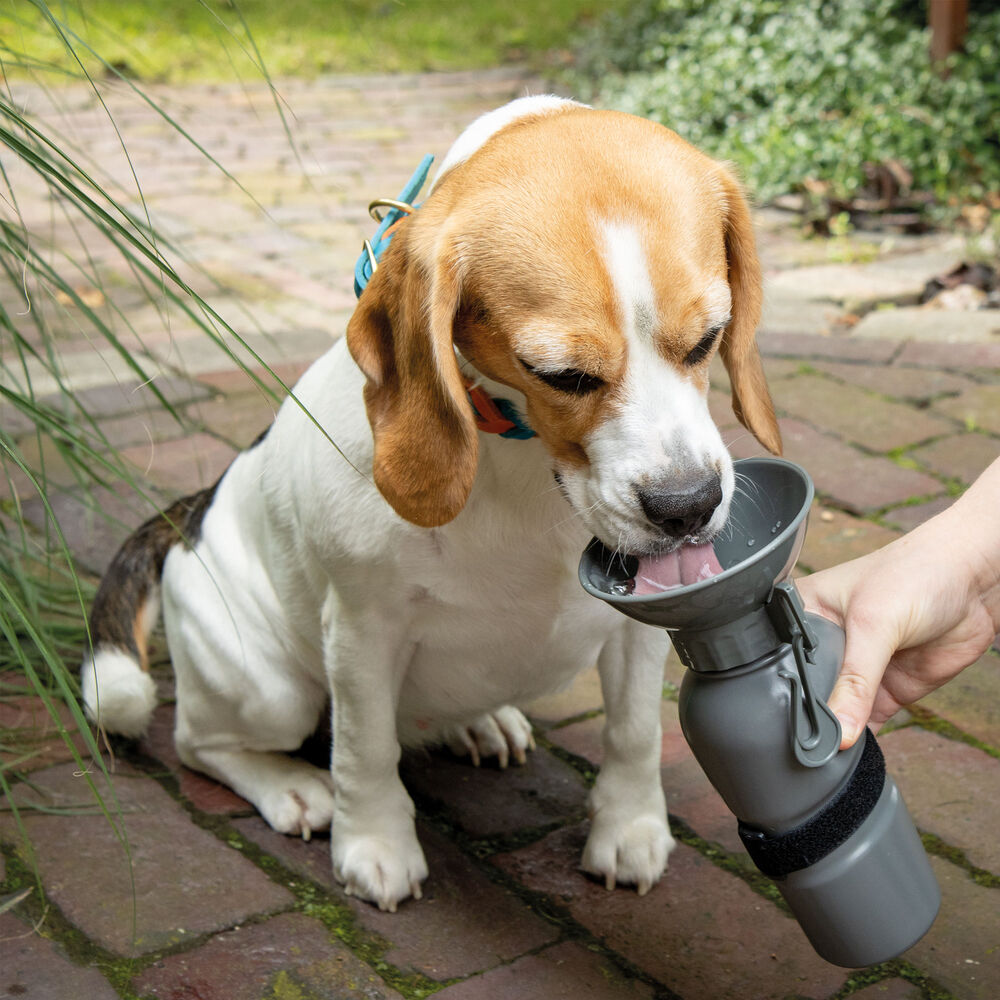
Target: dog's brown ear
{"x":751,"y":399}
{"x":426,"y":446}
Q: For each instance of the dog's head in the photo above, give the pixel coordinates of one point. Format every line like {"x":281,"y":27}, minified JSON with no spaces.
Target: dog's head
{"x":593,"y":262}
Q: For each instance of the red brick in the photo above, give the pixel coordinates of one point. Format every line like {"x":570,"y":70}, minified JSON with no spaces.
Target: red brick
{"x":183,"y":466}
{"x":48,"y":464}
{"x":95,"y":525}
{"x":581,"y":738}
{"x":463,"y":924}
{"x":908,"y":517}
{"x":229,"y":380}
{"x":168,"y":883}
{"x":856,"y":481}
{"x":961,"y":456}
{"x":741,"y":443}
{"x":135,"y":397}
{"x":239,"y":419}
{"x":954,"y":356}
{"x":834,"y":537}
{"x":961,"y":951}
{"x":14,"y":420}
{"x":856,"y":414}
{"x":141,"y":428}
{"x":803,"y":345}
{"x":971,"y":701}
{"x":977,"y":409}
{"x":700,"y":931}
{"x":487,"y":800}
{"x":202,"y":792}
{"x":889,"y":989}
{"x":952,"y":790}
{"x":290,"y":955}
{"x":720,"y":407}
{"x":565,"y":972}
{"x":912,"y":384}
{"x":774,"y":369}
{"x":33,"y":738}
{"x":36,"y":969}
{"x":779,"y":368}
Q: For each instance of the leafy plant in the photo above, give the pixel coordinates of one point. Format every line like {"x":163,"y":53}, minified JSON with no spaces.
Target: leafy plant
{"x":810,"y":91}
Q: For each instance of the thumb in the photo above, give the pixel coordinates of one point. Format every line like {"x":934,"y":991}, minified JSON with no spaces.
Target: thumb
{"x":866,"y":655}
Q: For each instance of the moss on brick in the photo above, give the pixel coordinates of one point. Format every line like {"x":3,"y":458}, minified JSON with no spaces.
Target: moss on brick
{"x":50,"y":923}
{"x":936,"y":846}
{"x":935,"y":724}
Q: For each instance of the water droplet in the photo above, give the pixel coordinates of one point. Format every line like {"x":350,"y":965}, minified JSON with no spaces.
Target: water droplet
{"x":751,"y":542}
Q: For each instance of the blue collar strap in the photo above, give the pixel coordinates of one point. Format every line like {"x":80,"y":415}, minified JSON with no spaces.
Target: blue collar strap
{"x":519,"y":431}
{"x":375,"y":247}
{"x":504,"y":420}
{"x":497,"y":416}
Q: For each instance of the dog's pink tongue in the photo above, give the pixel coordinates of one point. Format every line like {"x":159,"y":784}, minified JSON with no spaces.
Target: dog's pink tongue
{"x":688,"y":564}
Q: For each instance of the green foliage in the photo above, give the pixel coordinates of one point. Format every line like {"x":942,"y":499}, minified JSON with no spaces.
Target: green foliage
{"x":187,"y":40}
{"x":807,"y":90}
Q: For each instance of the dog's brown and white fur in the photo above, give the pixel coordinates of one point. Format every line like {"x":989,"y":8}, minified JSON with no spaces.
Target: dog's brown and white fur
{"x":585,"y":265}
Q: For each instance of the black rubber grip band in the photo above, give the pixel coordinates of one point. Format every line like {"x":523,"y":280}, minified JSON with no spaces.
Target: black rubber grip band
{"x":781,"y":854}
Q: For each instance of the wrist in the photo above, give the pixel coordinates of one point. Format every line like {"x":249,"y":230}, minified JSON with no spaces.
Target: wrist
{"x":973,"y":529}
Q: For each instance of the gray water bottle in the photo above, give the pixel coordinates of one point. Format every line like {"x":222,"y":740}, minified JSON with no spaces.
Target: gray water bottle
{"x":828,"y":826}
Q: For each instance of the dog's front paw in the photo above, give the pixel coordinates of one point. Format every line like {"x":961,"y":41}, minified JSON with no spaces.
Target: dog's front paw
{"x":503,"y":734}
{"x":384,"y":868}
{"x":629,"y":849}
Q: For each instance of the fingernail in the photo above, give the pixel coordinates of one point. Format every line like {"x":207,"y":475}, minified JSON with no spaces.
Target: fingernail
{"x":850,"y":730}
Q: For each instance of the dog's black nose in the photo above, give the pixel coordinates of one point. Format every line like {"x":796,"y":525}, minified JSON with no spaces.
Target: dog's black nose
{"x":681,"y":513}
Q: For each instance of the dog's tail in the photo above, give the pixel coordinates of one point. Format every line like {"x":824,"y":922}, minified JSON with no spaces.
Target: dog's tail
{"x":118,"y":692}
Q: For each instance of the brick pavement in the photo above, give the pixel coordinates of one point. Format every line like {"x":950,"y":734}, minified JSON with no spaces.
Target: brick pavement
{"x":185,"y":893}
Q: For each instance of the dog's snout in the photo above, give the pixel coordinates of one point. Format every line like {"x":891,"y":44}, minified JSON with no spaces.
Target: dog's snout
{"x":681,"y":513}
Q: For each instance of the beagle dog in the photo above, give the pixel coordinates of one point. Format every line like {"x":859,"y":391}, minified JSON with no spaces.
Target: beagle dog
{"x":381,"y":554}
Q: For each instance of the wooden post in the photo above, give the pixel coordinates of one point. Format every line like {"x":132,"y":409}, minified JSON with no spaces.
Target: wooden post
{"x":948,"y":21}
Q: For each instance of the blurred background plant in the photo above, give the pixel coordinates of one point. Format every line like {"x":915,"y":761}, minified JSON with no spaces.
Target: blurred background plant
{"x":201,"y":41}
{"x":836,"y":102}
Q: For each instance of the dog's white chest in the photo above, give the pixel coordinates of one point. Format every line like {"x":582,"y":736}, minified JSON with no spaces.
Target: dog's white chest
{"x":516,"y":627}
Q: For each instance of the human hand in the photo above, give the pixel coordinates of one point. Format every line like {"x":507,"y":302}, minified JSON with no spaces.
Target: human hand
{"x":916,"y":612}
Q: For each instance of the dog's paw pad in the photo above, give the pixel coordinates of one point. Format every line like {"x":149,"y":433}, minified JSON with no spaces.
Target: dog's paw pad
{"x":503,"y":734}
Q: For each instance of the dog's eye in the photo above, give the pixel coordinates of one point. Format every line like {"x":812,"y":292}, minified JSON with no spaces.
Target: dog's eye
{"x":701,"y":350}
{"x":567,"y":380}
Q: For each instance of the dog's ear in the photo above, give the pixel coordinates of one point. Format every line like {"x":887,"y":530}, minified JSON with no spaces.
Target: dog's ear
{"x":751,"y":399}
{"x":426,"y":446}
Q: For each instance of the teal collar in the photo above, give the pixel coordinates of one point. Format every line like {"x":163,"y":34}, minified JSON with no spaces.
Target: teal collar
{"x":403,"y":206}
{"x":493,"y":416}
